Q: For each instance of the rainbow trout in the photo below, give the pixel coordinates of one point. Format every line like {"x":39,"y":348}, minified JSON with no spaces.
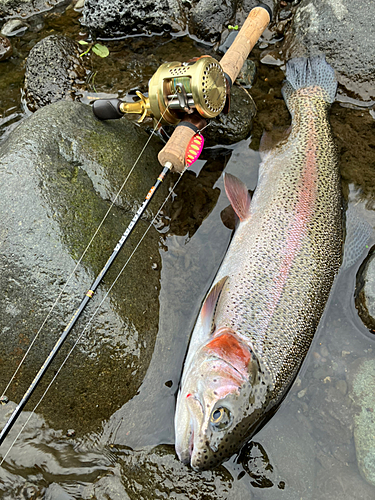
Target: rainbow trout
{"x":258,"y":320}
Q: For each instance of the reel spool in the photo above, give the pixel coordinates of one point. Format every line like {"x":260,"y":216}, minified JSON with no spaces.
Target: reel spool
{"x":197,"y":85}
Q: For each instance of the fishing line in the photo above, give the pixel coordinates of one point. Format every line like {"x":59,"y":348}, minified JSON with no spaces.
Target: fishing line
{"x":90,"y":320}
{"x":82,"y":256}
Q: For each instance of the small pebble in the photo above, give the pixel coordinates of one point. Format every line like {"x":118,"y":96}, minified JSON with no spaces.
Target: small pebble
{"x":5,"y":48}
{"x":14,"y":27}
{"x":79,"y":5}
{"x":154,"y":266}
{"x":342,"y":386}
{"x":302,"y":393}
{"x":324,"y":351}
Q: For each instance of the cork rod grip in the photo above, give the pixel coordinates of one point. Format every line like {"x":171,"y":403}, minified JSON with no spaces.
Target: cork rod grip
{"x":175,"y":149}
{"x":255,"y":24}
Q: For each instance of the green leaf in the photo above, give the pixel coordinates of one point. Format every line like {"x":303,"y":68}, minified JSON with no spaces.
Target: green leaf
{"x":82,"y":42}
{"x":100,"y":50}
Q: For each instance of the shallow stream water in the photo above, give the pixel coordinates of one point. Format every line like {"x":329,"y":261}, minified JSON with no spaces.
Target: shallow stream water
{"x":306,"y":450}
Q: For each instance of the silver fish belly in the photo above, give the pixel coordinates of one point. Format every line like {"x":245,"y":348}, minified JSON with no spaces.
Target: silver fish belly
{"x":258,"y":320}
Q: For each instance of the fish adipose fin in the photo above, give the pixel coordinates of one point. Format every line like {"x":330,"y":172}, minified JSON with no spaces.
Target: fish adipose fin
{"x":312,"y":72}
{"x":238,"y":196}
{"x":209,"y":306}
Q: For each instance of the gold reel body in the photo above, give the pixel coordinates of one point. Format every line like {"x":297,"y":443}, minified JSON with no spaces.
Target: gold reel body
{"x":178,"y":88}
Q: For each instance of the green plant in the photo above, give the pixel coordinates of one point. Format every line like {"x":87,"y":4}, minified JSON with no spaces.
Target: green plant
{"x":97,"y":48}
{"x":230,"y":27}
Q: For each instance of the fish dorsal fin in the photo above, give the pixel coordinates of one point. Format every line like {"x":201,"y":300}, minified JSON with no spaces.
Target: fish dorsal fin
{"x":209,"y":306}
{"x":238,"y":196}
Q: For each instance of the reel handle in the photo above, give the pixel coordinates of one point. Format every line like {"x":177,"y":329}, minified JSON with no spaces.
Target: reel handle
{"x":175,"y":149}
{"x":256,"y":22}
{"x":107,"y":109}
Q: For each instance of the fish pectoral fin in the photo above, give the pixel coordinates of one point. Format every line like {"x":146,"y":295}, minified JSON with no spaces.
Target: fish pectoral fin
{"x":209,"y":306}
{"x":238,"y":196}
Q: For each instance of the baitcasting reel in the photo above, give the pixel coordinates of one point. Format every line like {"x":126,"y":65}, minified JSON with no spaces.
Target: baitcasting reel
{"x":175,"y":89}
{"x":187,"y":94}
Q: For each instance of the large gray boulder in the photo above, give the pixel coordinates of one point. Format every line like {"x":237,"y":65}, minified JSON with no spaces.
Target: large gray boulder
{"x":60,"y":169}
{"x":343,"y":31}
{"x":204,"y":18}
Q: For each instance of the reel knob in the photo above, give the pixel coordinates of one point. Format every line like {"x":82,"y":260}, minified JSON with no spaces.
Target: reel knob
{"x":107,"y":109}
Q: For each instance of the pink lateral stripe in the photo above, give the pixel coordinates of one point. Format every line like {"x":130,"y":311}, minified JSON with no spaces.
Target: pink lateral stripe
{"x":302,"y":214}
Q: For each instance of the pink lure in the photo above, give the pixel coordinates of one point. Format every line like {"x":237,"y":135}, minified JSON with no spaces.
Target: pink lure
{"x":194,"y":149}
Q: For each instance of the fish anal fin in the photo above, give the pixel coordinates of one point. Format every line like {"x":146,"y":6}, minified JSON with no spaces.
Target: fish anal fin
{"x":238,"y":196}
{"x":209,"y":306}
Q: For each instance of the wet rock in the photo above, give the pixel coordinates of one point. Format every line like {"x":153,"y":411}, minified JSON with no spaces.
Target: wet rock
{"x":204,"y":18}
{"x":208,"y":18}
{"x":158,"y":474}
{"x":331,"y":27}
{"x":25,"y":8}
{"x":54,"y":71}
{"x":365,"y":291}
{"x":59,"y":171}
{"x":236,"y":125}
{"x":14,"y":27}
{"x":5,"y":48}
{"x":246,"y":76}
{"x":233,"y":127}
{"x":362,"y":392}
{"x":129,"y":18}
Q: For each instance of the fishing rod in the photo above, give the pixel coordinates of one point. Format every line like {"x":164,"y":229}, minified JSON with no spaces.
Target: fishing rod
{"x":181,"y":94}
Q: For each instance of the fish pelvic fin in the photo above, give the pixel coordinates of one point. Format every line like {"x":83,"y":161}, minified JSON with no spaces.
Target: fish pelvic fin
{"x":314,"y":73}
{"x":209,"y":306}
{"x":238,"y":196}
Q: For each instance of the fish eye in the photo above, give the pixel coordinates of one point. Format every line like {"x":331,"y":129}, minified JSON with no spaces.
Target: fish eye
{"x":221,"y":418}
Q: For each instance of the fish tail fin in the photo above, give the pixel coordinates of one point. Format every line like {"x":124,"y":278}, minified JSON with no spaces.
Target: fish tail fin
{"x":314,"y":72}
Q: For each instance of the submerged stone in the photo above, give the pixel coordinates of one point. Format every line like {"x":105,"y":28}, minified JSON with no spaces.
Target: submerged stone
{"x":365,"y":292}
{"x":362,"y":392}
